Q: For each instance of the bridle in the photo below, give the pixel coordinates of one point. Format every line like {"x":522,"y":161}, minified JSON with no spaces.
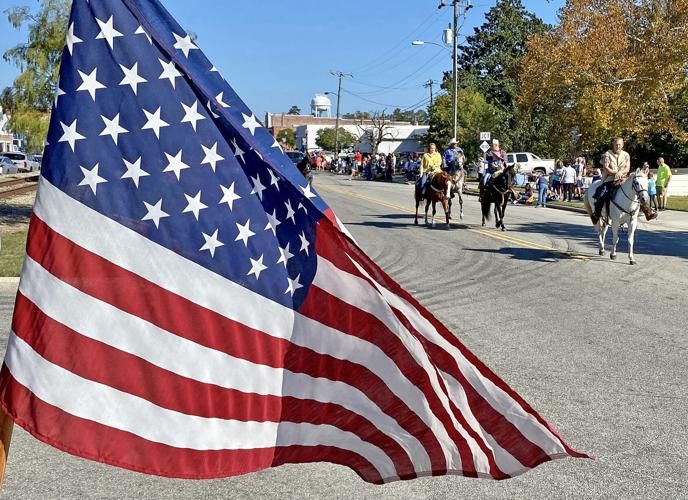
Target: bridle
{"x":638,"y":191}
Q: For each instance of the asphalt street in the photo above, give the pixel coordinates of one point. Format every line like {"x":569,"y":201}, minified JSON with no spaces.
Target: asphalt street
{"x":598,"y":347}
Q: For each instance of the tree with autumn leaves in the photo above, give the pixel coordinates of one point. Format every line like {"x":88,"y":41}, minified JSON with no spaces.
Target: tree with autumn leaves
{"x":610,"y":68}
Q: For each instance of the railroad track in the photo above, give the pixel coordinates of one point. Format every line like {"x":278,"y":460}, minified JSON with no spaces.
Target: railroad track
{"x":16,"y":187}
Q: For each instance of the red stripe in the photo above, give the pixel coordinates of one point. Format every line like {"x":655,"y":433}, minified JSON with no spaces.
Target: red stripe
{"x":88,"y":439}
{"x":331,"y":311}
{"x":94,"y":276}
{"x":332,"y":246}
{"x":125,"y":372}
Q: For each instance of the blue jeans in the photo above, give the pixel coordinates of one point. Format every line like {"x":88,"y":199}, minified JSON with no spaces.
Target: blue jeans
{"x":542,"y":196}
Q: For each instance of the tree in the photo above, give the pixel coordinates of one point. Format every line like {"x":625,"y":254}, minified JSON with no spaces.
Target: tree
{"x":358,"y":115}
{"x":287,"y":136}
{"x":377,"y":130}
{"x":630,"y":81}
{"x":325,"y":138}
{"x":39,"y":60}
{"x":294,"y":110}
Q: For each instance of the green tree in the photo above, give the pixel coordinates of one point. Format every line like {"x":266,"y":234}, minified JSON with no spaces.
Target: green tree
{"x":294,"y":110}
{"x":287,"y":136}
{"x":325,"y":138}
{"x":38,"y":58}
{"x":357,"y":115}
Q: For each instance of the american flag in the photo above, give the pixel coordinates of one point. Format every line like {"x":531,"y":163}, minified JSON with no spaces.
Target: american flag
{"x":190,"y":307}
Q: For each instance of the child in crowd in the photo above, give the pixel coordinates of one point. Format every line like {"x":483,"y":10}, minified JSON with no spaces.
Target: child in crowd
{"x":652,"y":190}
{"x":527,"y":196}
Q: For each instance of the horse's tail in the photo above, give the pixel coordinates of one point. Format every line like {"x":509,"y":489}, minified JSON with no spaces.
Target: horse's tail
{"x":486,"y":209}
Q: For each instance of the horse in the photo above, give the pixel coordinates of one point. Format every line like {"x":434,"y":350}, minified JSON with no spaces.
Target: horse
{"x":623,"y":208}
{"x":458,"y":182}
{"x":438,"y":189}
{"x":498,"y":191}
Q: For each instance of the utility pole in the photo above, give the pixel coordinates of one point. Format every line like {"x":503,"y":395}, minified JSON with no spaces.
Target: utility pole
{"x":341,"y":75}
{"x":461,"y":7}
{"x":429,"y":84}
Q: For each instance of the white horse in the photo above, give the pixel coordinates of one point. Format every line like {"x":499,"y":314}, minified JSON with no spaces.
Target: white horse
{"x":624,"y":207}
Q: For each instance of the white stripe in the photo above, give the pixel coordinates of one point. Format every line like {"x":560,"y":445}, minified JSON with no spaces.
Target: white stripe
{"x":107,"y":406}
{"x":359,"y":293}
{"x":496,"y":397}
{"x":129,"y":250}
{"x":100,"y":321}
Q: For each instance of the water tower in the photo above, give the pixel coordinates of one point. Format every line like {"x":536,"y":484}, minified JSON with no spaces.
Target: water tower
{"x":321,"y":106}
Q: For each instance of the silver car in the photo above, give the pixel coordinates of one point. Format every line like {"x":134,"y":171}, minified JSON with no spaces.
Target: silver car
{"x":7,"y":166}
{"x":25,"y":162}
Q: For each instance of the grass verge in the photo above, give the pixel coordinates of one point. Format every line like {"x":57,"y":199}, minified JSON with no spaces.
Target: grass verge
{"x":678,"y":203}
{"x":12,"y":253}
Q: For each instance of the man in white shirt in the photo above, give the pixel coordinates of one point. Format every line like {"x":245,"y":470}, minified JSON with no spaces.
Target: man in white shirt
{"x":568,"y":179}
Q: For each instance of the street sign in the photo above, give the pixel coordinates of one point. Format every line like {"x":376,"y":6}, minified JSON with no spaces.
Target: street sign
{"x":484,"y":147}
{"x":485,"y":136}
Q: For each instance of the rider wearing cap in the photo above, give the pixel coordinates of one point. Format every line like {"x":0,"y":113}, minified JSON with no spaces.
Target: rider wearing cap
{"x":616,"y":165}
{"x":452,"y":157}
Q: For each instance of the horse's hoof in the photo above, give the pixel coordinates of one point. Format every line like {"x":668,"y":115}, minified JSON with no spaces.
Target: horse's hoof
{"x":633,"y":263}
{"x":503,"y":228}
{"x":415,"y":222}
{"x":602,"y":253}
{"x":461,"y":215}
{"x":612,"y":256}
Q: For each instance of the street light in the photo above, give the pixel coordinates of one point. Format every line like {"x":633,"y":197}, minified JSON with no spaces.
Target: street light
{"x":423,"y":42}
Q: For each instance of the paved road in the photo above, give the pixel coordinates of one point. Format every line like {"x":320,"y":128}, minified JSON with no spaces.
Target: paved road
{"x":598,"y":347}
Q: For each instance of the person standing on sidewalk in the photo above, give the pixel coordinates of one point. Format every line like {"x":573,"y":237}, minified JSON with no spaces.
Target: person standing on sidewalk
{"x":543,"y":186}
{"x":663,"y":179}
{"x":568,"y":179}
{"x":652,"y":189}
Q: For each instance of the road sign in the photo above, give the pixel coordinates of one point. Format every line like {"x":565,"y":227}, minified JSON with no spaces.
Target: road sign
{"x":485,"y":136}
{"x":484,"y":146}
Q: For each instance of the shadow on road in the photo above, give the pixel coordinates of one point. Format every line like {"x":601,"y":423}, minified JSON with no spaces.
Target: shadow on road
{"x":404,"y":221}
{"x":528,"y":254}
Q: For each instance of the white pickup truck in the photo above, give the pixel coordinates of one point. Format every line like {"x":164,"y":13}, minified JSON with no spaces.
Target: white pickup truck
{"x":530,"y":163}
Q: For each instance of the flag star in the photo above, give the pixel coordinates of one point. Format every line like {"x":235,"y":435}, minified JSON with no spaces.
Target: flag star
{"x":307,"y":192}
{"x":141,"y":31}
{"x":213,"y":113}
{"x":273,"y":222}
{"x":277,"y":145}
{"x":154,"y":122}
{"x":211,"y":156}
{"x":58,"y":93}
{"x":257,"y":267}
{"x":258,"y":187}
{"x":90,"y":83}
{"x":191,"y":114}
{"x":71,"y":39}
{"x":229,"y":196}
{"x":112,"y":127}
{"x":251,"y":123}
{"x":304,"y":243}
{"x":238,"y":151}
{"x":194,"y":204}
{"x":214,"y":69}
{"x":184,"y":44}
{"x":274,"y":180}
{"x":285,"y":255}
{"x":244,"y":232}
{"x":108,"y":31}
{"x":175,"y":164}
{"x":290,"y":211}
{"x":70,"y":134}
{"x":155,"y":213}
{"x":134,"y":171}
{"x":91,"y":178}
{"x":293,"y":285}
{"x":169,"y":71}
{"x":132,"y":77}
{"x":301,"y":207}
{"x":211,"y":243}
{"x":219,"y":100}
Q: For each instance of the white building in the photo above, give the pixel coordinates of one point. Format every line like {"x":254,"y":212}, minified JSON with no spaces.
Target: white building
{"x":397,"y":138}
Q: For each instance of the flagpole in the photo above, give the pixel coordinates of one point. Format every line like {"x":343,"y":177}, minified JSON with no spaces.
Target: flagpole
{"x":6,"y":427}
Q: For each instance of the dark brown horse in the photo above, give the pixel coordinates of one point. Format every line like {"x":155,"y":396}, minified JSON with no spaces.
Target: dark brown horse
{"x":438,"y":189}
{"x":499,"y":190}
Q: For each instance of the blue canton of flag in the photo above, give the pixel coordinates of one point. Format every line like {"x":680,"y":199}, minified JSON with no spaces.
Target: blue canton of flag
{"x":146,"y":131}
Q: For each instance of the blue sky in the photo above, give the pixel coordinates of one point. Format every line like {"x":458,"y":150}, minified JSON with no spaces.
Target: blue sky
{"x":279,"y":53}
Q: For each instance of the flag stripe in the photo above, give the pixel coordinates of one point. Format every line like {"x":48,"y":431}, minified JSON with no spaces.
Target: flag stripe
{"x":130,"y":334}
{"x":113,"y":408}
{"x":94,"y":441}
{"x":169,"y":390}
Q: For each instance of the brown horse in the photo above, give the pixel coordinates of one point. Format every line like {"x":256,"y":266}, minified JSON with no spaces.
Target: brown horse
{"x":438,"y":189}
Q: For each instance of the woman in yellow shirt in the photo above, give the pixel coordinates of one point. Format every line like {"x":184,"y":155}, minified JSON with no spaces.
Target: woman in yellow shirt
{"x":430,"y":164}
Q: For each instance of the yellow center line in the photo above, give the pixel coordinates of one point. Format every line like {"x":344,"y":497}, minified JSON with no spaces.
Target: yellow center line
{"x":479,"y":230}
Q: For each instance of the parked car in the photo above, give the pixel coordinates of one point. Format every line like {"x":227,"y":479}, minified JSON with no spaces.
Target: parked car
{"x":530,"y":164}
{"x":296,"y":156}
{"x":25,"y":162}
{"x":7,"y":166}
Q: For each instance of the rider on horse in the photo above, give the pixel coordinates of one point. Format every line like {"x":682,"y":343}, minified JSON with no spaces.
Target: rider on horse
{"x":452,"y":157}
{"x":429,"y":165}
{"x":496,"y":163}
{"x":616,"y":164}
